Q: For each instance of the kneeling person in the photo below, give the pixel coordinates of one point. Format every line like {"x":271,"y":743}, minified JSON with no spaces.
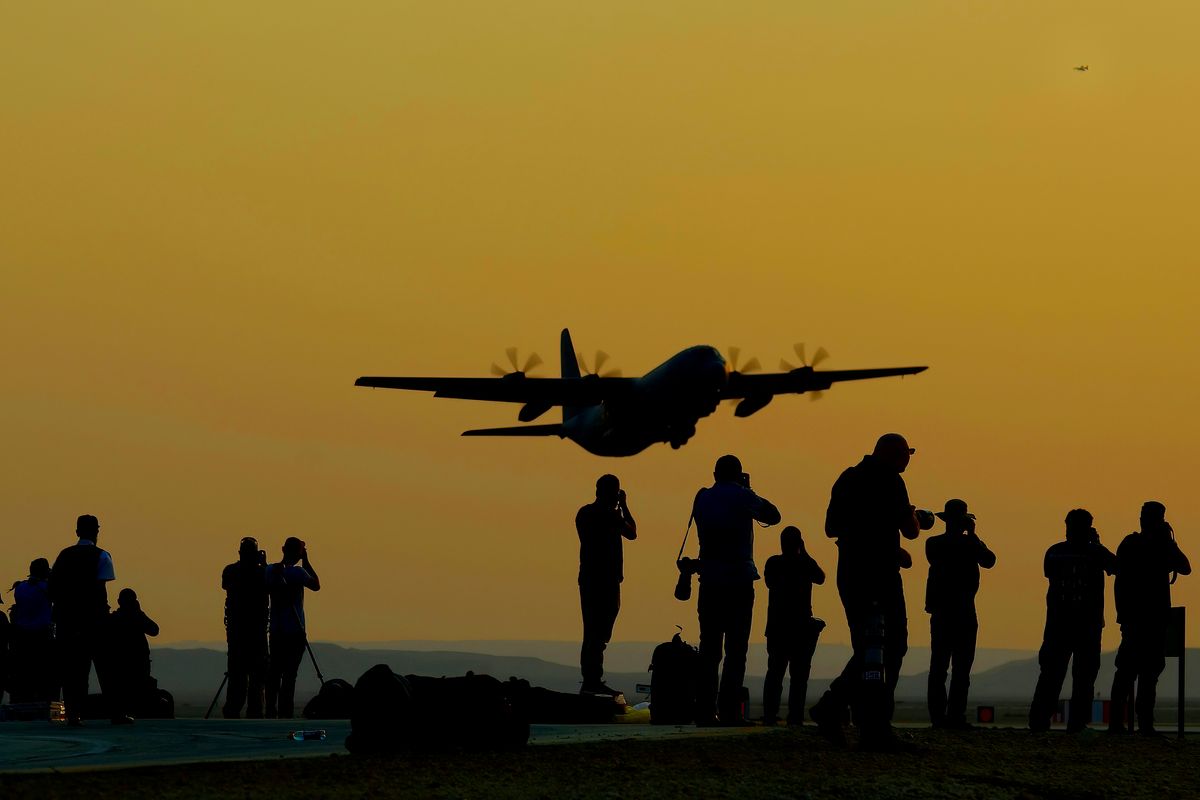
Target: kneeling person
{"x":792,"y":630}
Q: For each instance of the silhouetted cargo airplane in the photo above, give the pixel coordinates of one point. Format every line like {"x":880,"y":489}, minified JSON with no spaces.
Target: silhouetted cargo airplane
{"x":609,"y":415}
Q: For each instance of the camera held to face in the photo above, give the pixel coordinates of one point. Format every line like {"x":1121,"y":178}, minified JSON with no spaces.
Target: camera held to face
{"x":925,"y":519}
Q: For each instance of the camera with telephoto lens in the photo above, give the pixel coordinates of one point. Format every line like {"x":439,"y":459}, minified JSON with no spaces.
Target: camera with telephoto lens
{"x":925,"y":519}
{"x":687,"y":568}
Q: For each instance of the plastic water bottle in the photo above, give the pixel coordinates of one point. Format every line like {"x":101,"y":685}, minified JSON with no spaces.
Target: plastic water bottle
{"x":317,"y":735}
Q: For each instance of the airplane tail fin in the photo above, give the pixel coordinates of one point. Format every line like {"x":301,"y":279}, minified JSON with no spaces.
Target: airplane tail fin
{"x":520,"y":430}
{"x":570,"y":367}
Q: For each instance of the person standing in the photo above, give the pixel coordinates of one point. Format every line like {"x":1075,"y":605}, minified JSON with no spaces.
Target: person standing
{"x":246,"y":617}
{"x":1075,"y":570}
{"x":602,"y":526}
{"x":868,"y":512}
{"x":792,"y":631}
{"x":1147,"y":563}
{"x":725,"y":514}
{"x":31,"y":661}
{"x":954,"y":561}
{"x":78,"y":592}
{"x":286,"y":582}
{"x":127,"y":654}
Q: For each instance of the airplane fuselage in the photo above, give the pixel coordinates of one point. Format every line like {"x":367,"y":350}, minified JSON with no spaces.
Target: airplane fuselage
{"x":664,"y":406}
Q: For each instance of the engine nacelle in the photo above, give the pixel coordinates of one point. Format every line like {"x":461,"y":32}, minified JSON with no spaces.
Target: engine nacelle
{"x":752,"y":404}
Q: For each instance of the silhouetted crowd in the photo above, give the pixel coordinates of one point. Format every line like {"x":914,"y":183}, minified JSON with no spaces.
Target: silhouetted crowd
{"x":870,"y":516}
{"x":61,"y":625}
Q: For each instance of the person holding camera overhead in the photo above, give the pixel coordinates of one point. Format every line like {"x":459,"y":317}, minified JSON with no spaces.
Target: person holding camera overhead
{"x":246,"y":608}
{"x":868,"y":512}
{"x":725,"y":514}
{"x":601,"y":525}
{"x":1075,"y":570}
{"x":286,"y":582}
{"x":1147,"y":564}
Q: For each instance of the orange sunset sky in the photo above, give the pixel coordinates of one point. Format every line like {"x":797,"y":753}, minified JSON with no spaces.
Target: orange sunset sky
{"x":214,"y":217}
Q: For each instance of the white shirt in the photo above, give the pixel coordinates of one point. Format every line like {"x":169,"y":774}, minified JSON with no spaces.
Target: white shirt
{"x":104,"y":569}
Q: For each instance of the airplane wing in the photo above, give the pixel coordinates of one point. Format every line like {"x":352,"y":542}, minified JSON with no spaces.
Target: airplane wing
{"x":765,"y":385}
{"x":584,"y":391}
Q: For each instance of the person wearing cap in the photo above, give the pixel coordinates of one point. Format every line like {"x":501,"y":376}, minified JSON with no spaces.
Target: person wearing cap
{"x":725,"y":514}
{"x":1147,"y":564}
{"x":602,"y":526}
{"x":32,"y":673}
{"x":954,"y":561}
{"x":1075,"y":571}
{"x":286,"y":582}
{"x":79,"y":598}
{"x":246,"y":609}
{"x":868,"y":513}
{"x":792,"y":630}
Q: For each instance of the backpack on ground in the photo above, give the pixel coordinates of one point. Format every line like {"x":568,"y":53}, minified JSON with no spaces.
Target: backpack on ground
{"x":335,"y":700}
{"x":381,"y":712}
{"x":675,"y":671}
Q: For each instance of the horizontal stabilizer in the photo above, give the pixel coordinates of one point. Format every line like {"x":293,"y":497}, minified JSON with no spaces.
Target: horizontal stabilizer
{"x":520,"y":430}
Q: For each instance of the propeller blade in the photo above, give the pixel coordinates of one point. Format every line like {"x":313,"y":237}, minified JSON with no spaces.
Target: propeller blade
{"x":751,"y":366}
{"x":612,"y":373}
{"x":498,"y":370}
{"x":601,"y":360}
{"x":734,"y":353}
{"x":785,"y":366}
{"x":534,"y":360}
{"x":819,"y":356}
{"x":799,"y":348}
{"x":815,"y":396}
{"x":579,"y":359}
{"x":511,"y":352}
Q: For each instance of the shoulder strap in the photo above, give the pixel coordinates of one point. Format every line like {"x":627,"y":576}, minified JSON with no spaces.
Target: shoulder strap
{"x":686,"y":531}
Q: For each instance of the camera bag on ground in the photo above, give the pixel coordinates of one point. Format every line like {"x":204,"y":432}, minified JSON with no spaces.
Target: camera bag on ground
{"x":472,"y":712}
{"x":335,"y":700}
{"x":414,"y":712}
{"x":675,"y":670}
{"x":381,"y":712}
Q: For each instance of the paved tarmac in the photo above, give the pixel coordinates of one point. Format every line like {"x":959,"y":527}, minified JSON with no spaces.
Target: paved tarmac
{"x":53,"y":747}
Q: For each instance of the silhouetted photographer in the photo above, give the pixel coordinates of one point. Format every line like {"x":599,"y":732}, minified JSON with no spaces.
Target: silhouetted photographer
{"x":1075,"y":570}
{"x":246,"y":617}
{"x":868,"y":512}
{"x":286,"y":582}
{"x":954,"y":561}
{"x":79,"y":596}
{"x":1147,"y":564}
{"x":725,"y":514}
{"x":602,"y":526}
{"x":127,"y":656}
{"x":792,"y":630}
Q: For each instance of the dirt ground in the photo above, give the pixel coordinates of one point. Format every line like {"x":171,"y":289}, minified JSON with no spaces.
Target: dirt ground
{"x":776,"y":764}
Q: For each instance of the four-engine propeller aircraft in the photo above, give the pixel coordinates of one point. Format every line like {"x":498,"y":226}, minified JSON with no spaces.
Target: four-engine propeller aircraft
{"x":609,"y":415}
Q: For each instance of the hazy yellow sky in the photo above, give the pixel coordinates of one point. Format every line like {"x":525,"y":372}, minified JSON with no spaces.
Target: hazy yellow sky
{"x":214,"y":217}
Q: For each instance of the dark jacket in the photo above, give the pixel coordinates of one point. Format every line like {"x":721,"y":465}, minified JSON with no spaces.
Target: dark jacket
{"x":867,"y":508}
{"x":79,"y":597}
{"x":1143,"y":584}
{"x":725,"y":514}
{"x":1076,"y":569}
{"x":246,"y":599}
{"x":954,"y":562}
{"x":601,"y":553}
{"x":790,"y":578}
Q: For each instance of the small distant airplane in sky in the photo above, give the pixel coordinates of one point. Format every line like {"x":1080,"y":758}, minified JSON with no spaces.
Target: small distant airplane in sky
{"x":609,"y":415}
{"x":1081,"y":68}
